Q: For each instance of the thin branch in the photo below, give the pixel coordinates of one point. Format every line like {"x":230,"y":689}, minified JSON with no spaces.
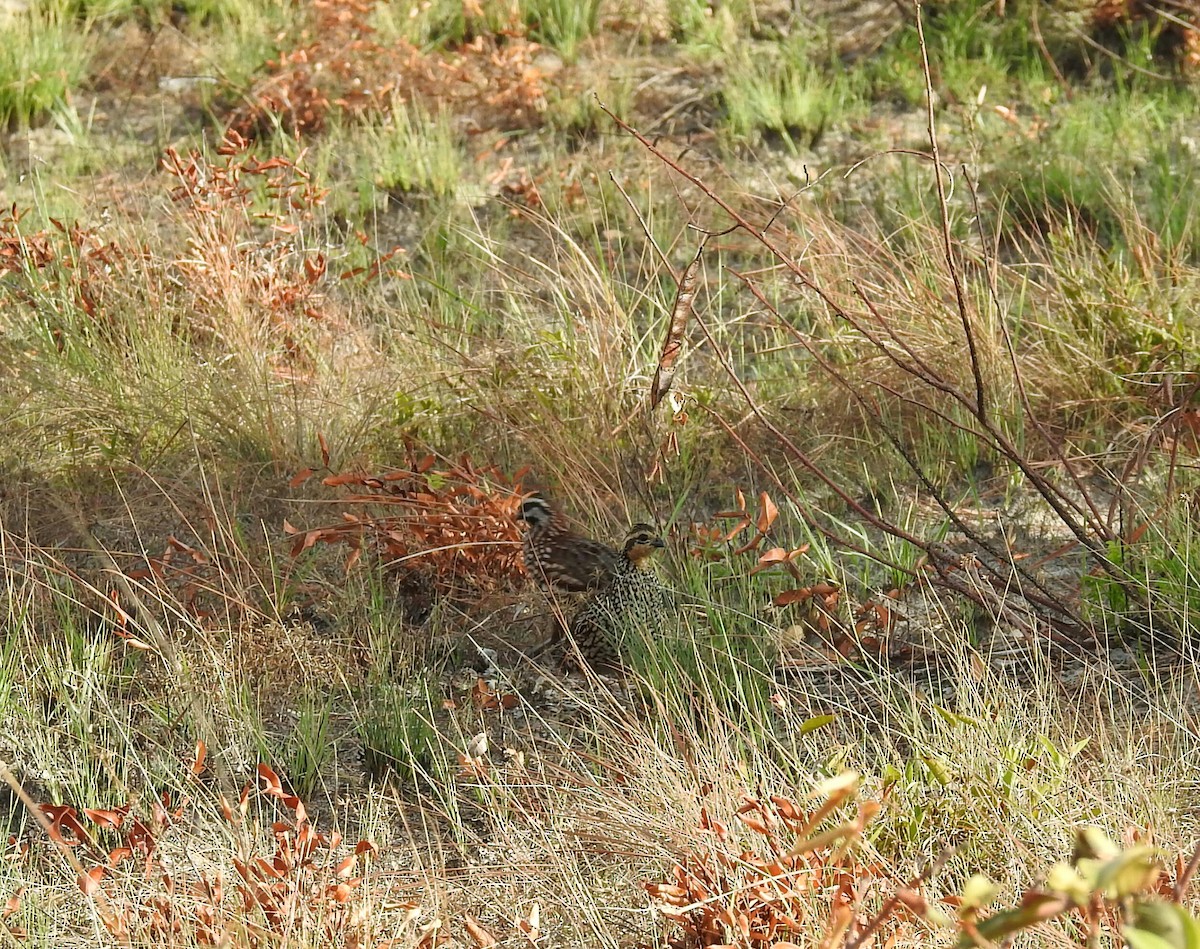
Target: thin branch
{"x":944,"y":213}
{"x":1046,"y":599}
{"x":1097,"y":521}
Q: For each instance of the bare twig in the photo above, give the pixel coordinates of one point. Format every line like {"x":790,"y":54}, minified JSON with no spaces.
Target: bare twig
{"x":944,"y":211}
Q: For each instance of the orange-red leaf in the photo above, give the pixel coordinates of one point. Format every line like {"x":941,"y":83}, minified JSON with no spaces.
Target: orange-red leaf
{"x":13,"y":903}
{"x":90,"y":881}
{"x":101,"y":818}
{"x":300,"y":477}
{"x":476,"y":931}
{"x":793,"y":596}
{"x":198,"y":758}
{"x":274,"y":785}
{"x":767,"y":512}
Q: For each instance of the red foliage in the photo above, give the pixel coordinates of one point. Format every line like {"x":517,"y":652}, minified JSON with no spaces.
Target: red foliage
{"x":97,"y":265}
{"x":302,"y":885}
{"x":455,"y":525}
{"x":726,"y":896}
{"x":337,"y":63}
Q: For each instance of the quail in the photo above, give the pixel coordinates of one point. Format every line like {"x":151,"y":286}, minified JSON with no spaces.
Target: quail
{"x":556,"y":557}
{"x":634,"y":598}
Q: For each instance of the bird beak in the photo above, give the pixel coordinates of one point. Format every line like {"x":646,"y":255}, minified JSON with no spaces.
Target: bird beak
{"x":659,"y":542}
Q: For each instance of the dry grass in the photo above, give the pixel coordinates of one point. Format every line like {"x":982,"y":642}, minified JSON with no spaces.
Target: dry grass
{"x":269,"y":409}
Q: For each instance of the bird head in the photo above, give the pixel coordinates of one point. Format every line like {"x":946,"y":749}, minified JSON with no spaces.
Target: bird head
{"x":535,"y":512}
{"x":641,"y":541}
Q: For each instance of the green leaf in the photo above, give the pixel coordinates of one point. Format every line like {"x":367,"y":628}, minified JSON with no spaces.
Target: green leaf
{"x":817,"y":721}
{"x":1128,"y":873}
{"x":1066,"y":879}
{"x":1093,"y":842}
{"x":1144,"y":939}
{"x":938,"y":770}
{"x":1161,"y":925}
{"x":953,"y":718}
{"x":1035,"y":909}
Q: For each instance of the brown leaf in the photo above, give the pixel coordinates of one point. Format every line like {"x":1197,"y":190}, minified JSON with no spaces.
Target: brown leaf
{"x":304,"y":541}
{"x":475,"y":930}
{"x":274,"y":786}
{"x":198,"y":758}
{"x":770,"y":558}
{"x":793,"y":596}
{"x":314,"y":268}
{"x":483,"y":695}
{"x":63,"y":816}
{"x":681,"y":312}
{"x":90,"y":881}
{"x":13,"y":903}
{"x":300,"y":477}
{"x":530,"y":924}
{"x":112,"y":819}
{"x":337,"y":480}
{"x":324,"y":449}
{"x":767,"y":512}
{"x":751,"y":544}
{"x":756,"y":824}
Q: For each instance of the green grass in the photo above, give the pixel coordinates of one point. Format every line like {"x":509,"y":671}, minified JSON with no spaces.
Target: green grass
{"x":784,"y":89}
{"x":1119,"y":164}
{"x":156,"y":11}
{"x":42,"y":61}
{"x":408,"y":151}
{"x":562,"y":24}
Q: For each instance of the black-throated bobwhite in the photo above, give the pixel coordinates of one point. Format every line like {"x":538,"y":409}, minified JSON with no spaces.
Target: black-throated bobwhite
{"x":557,"y":557}
{"x":633,"y":599}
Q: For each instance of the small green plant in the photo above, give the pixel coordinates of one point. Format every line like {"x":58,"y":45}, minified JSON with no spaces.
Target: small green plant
{"x":578,"y":110}
{"x":784,"y":90}
{"x":157,"y":11}
{"x":396,"y":727}
{"x":1158,"y":587}
{"x":42,"y":58}
{"x":310,"y":751}
{"x":408,"y":151}
{"x":971,"y":47}
{"x":562,"y":24}
{"x":1113,"y":888}
{"x":427,"y":24}
{"x":1097,"y":163}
